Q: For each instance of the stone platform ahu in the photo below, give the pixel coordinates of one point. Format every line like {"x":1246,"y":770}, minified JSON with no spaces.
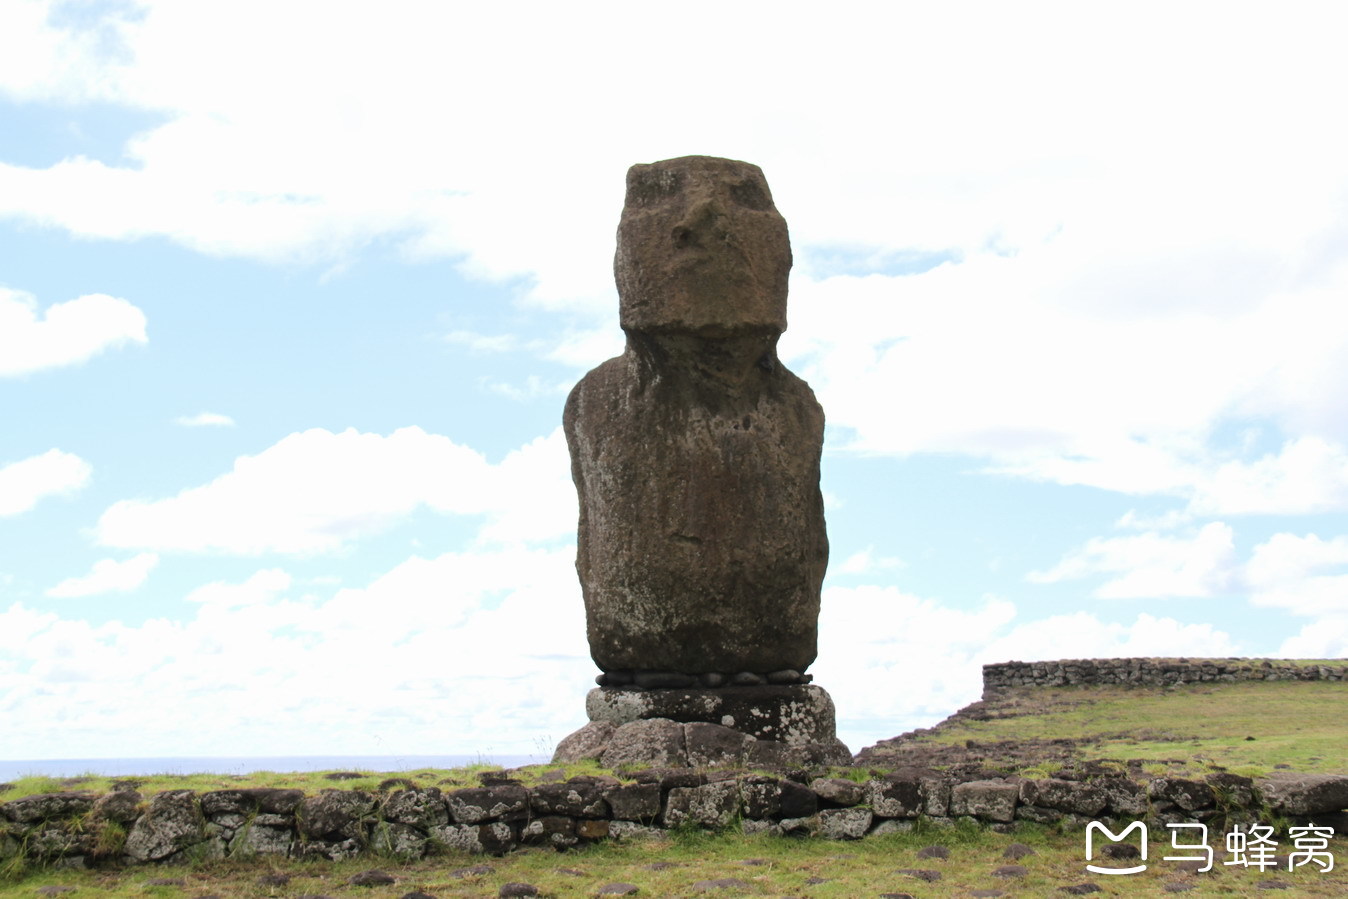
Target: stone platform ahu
{"x":701,"y":545}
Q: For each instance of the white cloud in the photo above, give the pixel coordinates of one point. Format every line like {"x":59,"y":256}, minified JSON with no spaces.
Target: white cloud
{"x":108,"y":576}
{"x":1308,"y":475}
{"x":880,"y":650}
{"x":262,"y":587}
{"x":532,"y":388}
{"x":1151,"y":565}
{"x":487,"y":648}
{"x":1287,"y":571}
{"x":25,"y":483}
{"x":894,"y":662}
{"x":1074,"y":335}
{"x":484,"y":343}
{"x":1081,"y":635}
{"x":866,"y":561}
{"x":317,"y":491}
{"x":67,"y":334}
{"x":205,"y":420}
{"x":1166,"y":521}
{"x":1327,"y":638}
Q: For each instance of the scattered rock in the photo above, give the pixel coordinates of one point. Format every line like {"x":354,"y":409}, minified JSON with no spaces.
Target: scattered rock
{"x":1272,"y":885}
{"x":48,"y":806}
{"x":166,"y":882}
{"x":171,"y":824}
{"x":1178,"y":886}
{"x":273,"y":880}
{"x":1010,"y":871}
{"x":1190,"y":795}
{"x":619,"y":889}
{"x":54,"y":890}
{"x":838,"y":791}
{"x":1017,"y":850}
{"x":1080,"y":889}
{"x":587,"y":743}
{"x":720,"y":883}
{"x":920,"y":873}
{"x":475,"y":805}
{"x":845,"y":823}
{"x":343,"y":775}
{"x":472,"y":871}
{"x":371,"y":878}
{"x":1304,"y":794}
{"x":933,"y":852}
{"x":517,"y":889}
{"x":991,"y":800}
{"x":400,"y":782}
{"x":122,"y":806}
{"x":654,"y":741}
{"x":417,"y":894}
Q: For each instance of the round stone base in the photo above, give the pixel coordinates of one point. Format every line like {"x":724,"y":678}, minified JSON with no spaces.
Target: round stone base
{"x":795,"y":715}
{"x":766,"y":726}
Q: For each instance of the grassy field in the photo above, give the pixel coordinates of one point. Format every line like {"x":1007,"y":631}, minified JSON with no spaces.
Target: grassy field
{"x":308,"y":781}
{"x":680,"y":866}
{"x":1248,"y":727}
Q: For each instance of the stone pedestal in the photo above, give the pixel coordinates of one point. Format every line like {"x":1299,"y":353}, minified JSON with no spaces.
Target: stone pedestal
{"x":772,"y":726}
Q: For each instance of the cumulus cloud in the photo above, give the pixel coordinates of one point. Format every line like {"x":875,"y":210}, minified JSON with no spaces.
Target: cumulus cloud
{"x":1325,"y":639}
{"x":66,"y":334}
{"x":205,"y":420}
{"x":1308,"y":475}
{"x":317,"y":491}
{"x":1289,"y":572}
{"x":480,"y":652}
{"x":894,"y":662}
{"x":108,"y":576}
{"x":1070,"y":333}
{"x":25,"y":483}
{"x":1153,"y":565}
{"x":866,"y":561}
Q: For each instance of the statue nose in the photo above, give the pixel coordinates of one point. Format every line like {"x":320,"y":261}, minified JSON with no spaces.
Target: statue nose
{"x":703,"y":220}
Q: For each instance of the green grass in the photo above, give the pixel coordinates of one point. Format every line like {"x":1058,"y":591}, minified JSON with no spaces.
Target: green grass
{"x":308,"y":781}
{"x":1299,"y":724}
{"x":768,"y":866}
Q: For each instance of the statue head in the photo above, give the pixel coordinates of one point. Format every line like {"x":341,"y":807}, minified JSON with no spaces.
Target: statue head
{"x":701,"y":250}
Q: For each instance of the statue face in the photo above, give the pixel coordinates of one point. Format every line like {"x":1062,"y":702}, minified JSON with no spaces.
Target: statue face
{"x":701,"y":249}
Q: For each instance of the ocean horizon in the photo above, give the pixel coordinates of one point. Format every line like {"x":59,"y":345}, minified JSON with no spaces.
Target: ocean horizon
{"x":129,"y":767}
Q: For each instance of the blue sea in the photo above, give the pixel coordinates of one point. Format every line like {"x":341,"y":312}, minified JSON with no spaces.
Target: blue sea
{"x":12,"y":770}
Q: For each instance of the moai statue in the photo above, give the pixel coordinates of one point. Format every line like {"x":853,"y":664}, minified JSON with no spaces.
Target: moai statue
{"x":701,"y":545}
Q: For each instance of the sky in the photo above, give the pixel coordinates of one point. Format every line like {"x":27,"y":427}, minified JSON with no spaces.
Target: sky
{"x":292,"y":293}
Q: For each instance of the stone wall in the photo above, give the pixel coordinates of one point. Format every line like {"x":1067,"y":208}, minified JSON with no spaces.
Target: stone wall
{"x":123,"y":827}
{"x":1152,"y":672}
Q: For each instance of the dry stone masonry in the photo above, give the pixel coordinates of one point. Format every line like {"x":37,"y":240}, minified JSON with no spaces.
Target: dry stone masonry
{"x":124,"y":827}
{"x":701,"y":545}
{"x":1152,"y":672}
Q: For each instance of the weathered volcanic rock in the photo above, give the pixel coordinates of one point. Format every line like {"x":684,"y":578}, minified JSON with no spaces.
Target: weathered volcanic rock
{"x":794,"y":715}
{"x":701,"y":544}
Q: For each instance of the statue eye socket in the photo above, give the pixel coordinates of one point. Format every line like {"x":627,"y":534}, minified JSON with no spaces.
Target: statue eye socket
{"x":751,"y":195}
{"x":647,"y":188}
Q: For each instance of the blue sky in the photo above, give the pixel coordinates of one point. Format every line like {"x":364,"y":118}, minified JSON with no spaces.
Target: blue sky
{"x":288,"y":315}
